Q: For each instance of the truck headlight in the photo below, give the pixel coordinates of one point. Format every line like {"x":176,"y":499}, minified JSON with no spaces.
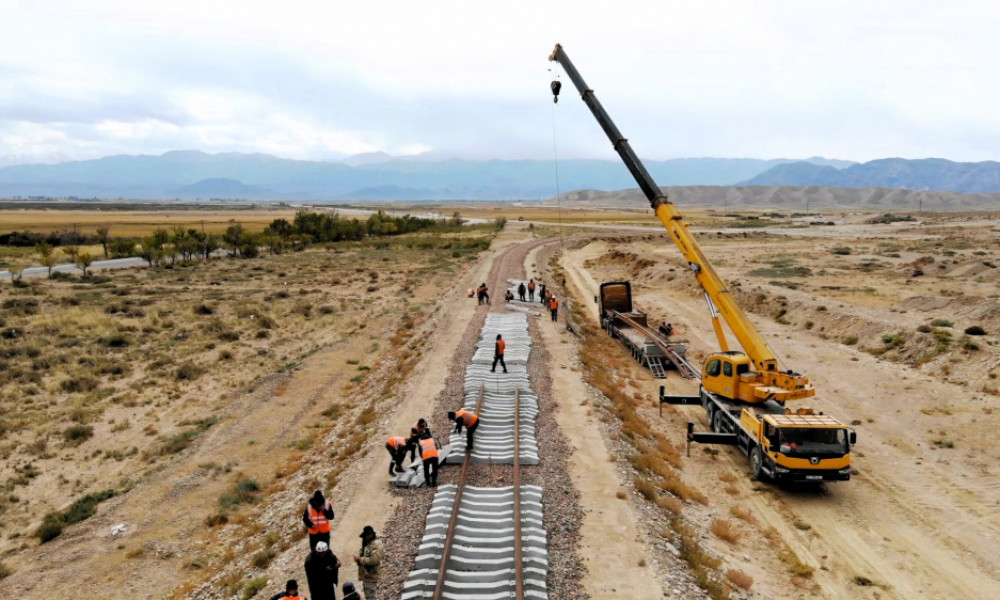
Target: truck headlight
{"x":778,"y":469}
{"x":846,"y":471}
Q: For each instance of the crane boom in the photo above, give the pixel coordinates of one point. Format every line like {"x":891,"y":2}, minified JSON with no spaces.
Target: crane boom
{"x":773,"y":382}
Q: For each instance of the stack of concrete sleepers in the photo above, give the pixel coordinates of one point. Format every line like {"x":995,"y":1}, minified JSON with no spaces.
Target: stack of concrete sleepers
{"x":494,"y":439}
{"x":481,"y":564}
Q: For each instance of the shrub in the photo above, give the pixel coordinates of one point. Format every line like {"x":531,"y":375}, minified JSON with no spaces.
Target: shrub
{"x":975,"y":330}
{"x":82,"y":383}
{"x":216,"y":520}
{"x":967,"y":343}
{"x":264,"y":558}
{"x":189,"y":372}
{"x":841,"y":250}
{"x":924,"y":329}
{"x":725,"y":530}
{"x":203,"y":309}
{"x":81,"y":510}
{"x":252,"y":587}
{"x":74,"y":435}
{"x":893,"y":339}
{"x":739,"y":579}
{"x":850,"y":340}
{"x":941,"y":323}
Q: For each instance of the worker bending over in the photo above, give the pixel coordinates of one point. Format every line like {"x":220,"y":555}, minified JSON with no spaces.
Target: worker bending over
{"x":498,"y":351}
{"x":467,"y":419}
{"x":397,"y":447}
{"x":429,"y":457}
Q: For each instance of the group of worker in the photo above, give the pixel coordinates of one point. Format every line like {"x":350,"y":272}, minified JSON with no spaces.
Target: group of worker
{"x":322,"y":566}
{"x":423,"y":440}
{"x":546,"y":297}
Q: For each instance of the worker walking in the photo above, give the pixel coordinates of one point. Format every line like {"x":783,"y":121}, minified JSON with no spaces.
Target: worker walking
{"x":322,"y":571}
{"x":520,"y":291}
{"x":317,"y":517}
{"x":291,"y":591}
{"x":498,"y":351}
{"x":545,"y":296}
{"x":429,"y":458}
{"x":370,"y":561}
{"x":467,"y":419}
{"x":554,"y":308}
{"x":531,"y":290}
{"x":397,"y":447}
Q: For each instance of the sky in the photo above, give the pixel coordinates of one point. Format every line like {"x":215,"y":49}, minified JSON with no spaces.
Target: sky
{"x":320,"y":80}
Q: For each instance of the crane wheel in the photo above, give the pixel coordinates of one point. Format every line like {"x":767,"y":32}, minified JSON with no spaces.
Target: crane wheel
{"x":717,"y":422}
{"x":755,"y":462}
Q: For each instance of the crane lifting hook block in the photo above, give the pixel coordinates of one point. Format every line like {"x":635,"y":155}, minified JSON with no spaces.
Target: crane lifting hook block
{"x":556,"y":85}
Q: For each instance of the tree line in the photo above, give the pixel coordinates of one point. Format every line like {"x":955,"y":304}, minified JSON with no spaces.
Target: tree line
{"x":168,"y":246}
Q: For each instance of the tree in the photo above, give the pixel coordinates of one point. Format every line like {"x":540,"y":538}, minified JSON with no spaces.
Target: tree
{"x":102,"y":237}
{"x":233,"y":236}
{"x":121,"y":248}
{"x":71,"y":252}
{"x":149,"y":251}
{"x":211,"y":243}
{"x":84,"y":260}
{"x":48,"y":259}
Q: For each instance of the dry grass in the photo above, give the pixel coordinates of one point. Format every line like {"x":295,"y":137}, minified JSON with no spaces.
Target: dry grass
{"x":743,"y":514}
{"x":739,"y":579}
{"x":725,"y":530}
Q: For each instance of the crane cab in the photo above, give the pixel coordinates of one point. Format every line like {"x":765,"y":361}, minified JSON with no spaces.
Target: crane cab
{"x":731,"y":375}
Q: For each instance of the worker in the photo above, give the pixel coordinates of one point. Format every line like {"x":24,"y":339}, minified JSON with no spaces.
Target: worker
{"x":397,"y":447}
{"x":421,"y":427}
{"x":668,"y":329}
{"x":350,"y":593}
{"x":370,"y":561}
{"x":554,"y":307}
{"x":429,"y":458}
{"x":471,"y":293}
{"x":508,"y":295}
{"x":322,"y":571}
{"x":531,"y":290}
{"x":467,"y":419}
{"x":317,"y":517}
{"x":545,"y":295}
{"x":520,"y":291}
{"x":291,"y":591}
{"x":498,"y":351}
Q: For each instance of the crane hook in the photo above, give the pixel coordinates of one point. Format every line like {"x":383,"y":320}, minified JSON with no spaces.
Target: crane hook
{"x":556,"y":85}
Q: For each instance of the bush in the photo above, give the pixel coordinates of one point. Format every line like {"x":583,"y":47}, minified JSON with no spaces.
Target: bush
{"x":841,"y":250}
{"x":83,"y":383}
{"x":975,"y":330}
{"x":850,"y":340}
{"x":75,"y":435}
{"x":203,"y":309}
{"x":189,"y":372}
{"x":81,"y":510}
{"x":941,"y":323}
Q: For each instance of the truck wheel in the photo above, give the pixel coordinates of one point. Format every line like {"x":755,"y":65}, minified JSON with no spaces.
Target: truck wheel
{"x":755,"y":462}
{"x":717,"y":422}
{"x":710,"y":417}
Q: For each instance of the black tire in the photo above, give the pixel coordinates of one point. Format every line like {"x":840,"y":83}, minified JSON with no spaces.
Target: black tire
{"x":755,"y":462}
{"x":717,"y":424}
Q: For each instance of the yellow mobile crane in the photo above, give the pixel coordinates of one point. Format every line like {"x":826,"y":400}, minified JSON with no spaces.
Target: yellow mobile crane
{"x":743,"y":393}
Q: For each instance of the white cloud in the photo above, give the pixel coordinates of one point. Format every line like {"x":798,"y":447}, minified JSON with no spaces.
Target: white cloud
{"x":313,"y":79}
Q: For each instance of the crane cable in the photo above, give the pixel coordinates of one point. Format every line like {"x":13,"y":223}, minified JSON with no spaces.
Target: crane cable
{"x":555,"y":86}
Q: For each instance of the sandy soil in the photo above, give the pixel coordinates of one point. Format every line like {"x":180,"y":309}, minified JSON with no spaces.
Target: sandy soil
{"x":915,"y":522}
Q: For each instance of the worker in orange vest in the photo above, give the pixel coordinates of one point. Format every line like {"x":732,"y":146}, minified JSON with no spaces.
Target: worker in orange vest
{"x":498,"y":351}
{"x":397,"y":447}
{"x":531,"y":290}
{"x":291,"y":591}
{"x":467,"y":419}
{"x":317,"y":517}
{"x":554,"y":307}
{"x":429,"y":457}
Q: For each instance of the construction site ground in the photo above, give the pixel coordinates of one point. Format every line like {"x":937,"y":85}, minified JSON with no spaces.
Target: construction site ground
{"x":919,"y":519}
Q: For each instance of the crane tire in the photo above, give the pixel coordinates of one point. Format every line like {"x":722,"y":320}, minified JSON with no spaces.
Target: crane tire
{"x":755,"y":462}
{"x":717,"y":422}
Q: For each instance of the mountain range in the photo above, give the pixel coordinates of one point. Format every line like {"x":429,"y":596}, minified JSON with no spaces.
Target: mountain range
{"x":193,"y":174}
{"x":895,"y":173}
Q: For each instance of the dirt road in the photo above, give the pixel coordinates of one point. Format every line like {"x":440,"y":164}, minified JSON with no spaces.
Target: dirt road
{"x":914,"y":522}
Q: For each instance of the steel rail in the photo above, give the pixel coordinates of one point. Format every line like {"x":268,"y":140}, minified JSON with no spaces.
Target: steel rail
{"x":681,"y":364}
{"x":449,"y":537}
{"x":518,"y":561}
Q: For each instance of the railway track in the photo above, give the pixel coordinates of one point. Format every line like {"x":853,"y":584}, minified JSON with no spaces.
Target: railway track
{"x":489,"y":542}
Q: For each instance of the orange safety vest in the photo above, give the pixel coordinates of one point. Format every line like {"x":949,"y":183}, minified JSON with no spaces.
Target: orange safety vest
{"x":531,"y":285}
{"x":319,"y":521}
{"x":469,"y":418}
{"x":397,"y":442}
{"x":554,"y":304}
{"x":428,"y":449}
{"x":501,"y":346}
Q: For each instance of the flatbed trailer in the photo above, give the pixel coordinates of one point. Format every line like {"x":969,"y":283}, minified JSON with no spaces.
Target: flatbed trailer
{"x":783,"y":445}
{"x":649,"y":347}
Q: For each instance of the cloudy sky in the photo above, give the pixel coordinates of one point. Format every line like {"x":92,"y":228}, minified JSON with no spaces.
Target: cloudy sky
{"x":324,"y":79}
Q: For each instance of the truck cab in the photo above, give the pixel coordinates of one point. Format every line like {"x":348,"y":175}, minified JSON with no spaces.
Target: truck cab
{"x":800,"y":445}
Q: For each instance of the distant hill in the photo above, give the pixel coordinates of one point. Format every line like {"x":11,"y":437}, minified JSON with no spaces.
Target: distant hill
{"x":794,"y":198}
{"x":899,"y":173}
{"x":192,"y":174}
